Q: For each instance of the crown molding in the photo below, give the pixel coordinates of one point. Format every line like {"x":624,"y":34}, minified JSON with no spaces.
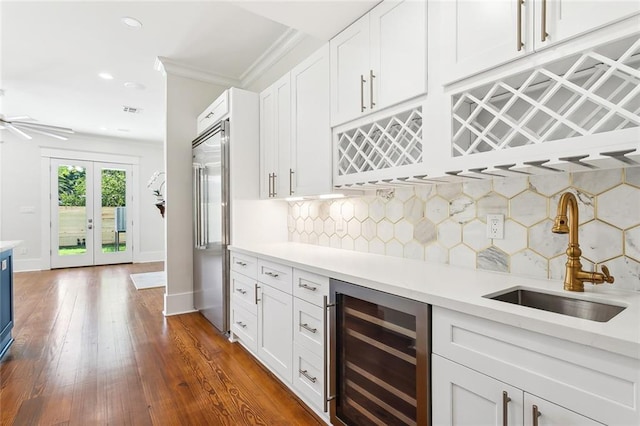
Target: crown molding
{"x":283,"y":45}
{"x":169,"y":66}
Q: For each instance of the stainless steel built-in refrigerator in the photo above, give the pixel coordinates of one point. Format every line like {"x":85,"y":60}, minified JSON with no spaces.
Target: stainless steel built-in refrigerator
{"x":211,"y":203}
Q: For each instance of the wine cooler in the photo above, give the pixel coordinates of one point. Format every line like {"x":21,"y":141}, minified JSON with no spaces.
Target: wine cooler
{"x":380,"y":351}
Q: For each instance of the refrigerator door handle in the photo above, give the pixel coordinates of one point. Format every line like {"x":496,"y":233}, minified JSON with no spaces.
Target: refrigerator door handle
{"x":196,"y":206}
{"x":203,"y":209}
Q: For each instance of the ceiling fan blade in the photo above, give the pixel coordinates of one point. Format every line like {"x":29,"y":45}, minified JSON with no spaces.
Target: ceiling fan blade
{"x":44,"y":126}
{"x":17,"y":131}
{"x":43,"y":132}
{"x":18,"y":117}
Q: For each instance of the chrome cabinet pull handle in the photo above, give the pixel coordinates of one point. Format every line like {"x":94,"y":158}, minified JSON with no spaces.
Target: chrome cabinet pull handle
{"x":536,"y":414}
{"x":505,"y":408}
{"x":291,"y":172}
{"x":209,"y":115}
{"x":307,"y":376}
{"x":371,"y":77}
{"x":270,"y":191}
{"x":543,"y":29}
{"x":241,"y":263}
{"x":520,"y":44}
{"x":307,"y":287}
{"x":306,"y":327}
{"x":241,"y":291}
{"x":362,"y":82}
{"x":271,"y":274}
{"x":275,"y":186}
{"x":241,"y":324}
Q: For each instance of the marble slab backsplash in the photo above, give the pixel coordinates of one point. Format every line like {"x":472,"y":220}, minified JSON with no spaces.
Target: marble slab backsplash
{"x":447,"y":223}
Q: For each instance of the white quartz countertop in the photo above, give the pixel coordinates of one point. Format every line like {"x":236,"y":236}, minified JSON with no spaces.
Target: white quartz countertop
{"x":6,"y":245}
{"x":463,"y":290}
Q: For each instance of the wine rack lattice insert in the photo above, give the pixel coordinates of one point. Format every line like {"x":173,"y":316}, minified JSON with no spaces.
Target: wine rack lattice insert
{"x":593,"y":92}
{"x":390,"y":142}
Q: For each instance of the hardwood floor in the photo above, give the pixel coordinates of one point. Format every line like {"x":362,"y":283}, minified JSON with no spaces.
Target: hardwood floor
{"x":90,"y":349}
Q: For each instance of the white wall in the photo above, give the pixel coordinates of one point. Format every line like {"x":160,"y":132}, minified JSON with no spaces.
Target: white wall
{"x":21,"y":181}
{"x":185,"y":100}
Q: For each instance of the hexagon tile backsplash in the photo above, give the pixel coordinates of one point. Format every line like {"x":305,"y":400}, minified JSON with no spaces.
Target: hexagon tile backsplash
{"x":447,"y":223}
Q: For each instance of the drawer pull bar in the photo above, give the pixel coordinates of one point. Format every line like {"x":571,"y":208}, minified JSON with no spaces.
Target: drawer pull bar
{"x":306,"y":327}
{"x":241,"y":263}
{"x":505,"y":408}
{"x":272,"y":275}
{"x":307,"y":376}
{"x":241,"y":324}
{"x":536,"y":414}
{"x":241,"y":291}
{"x":255,"y":293}
{"x":307,"y":287}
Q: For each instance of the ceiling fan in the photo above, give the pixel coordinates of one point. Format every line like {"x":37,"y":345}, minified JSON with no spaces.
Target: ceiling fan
{"x":23,"y":125}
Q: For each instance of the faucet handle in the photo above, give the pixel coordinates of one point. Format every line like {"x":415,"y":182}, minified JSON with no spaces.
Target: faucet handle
{"x":607,"y":277}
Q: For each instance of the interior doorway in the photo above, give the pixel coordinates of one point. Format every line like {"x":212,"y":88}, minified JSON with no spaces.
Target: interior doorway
{"x":90,"y":215}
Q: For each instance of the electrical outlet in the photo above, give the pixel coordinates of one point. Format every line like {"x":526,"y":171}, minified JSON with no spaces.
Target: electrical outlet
{"x":495,"y":226}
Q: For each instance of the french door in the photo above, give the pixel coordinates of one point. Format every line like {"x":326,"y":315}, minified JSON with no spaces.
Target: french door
{"x":90,"y":219}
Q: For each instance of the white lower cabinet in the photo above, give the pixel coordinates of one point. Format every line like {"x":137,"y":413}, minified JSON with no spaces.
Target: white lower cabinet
{"x":275,"y":330}
{"x":278,"y":313}
{"x":462,"y":396}
{"x":482,"y":369}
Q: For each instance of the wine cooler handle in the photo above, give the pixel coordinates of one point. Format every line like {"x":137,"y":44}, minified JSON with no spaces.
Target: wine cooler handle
{"x":325,"y":326}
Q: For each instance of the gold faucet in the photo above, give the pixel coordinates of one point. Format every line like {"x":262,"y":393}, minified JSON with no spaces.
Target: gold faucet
{"x":575,"y":277}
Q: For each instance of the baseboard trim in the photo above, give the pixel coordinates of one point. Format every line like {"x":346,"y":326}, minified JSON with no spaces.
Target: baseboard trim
{"x":176,"y":304}
{"x":26,"y":265}
{"x":149,"y":256}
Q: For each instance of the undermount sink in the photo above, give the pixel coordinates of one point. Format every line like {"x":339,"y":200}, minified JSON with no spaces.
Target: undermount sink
{"x":585,"y":309}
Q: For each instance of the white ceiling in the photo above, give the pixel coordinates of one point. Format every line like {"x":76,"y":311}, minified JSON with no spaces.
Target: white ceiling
{"x":52,"y":52}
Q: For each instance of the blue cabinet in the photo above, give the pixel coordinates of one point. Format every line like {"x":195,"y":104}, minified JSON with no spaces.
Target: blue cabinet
{"x":6,"y":300}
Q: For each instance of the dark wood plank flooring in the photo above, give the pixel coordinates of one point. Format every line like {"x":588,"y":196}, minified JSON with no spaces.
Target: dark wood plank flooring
{"x":90,"y":349}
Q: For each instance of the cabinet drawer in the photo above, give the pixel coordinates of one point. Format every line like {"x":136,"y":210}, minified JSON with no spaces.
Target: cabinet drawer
{"x":310,"y":287}
{"x":244,"y":325}
{"x":276,"y":275}
{"x":308,"y":326}
{"x":596,"y":383}
{"x":308,"y":376}
{"x":244,"y":292}
{"x":246,"y":265}
{"x":213,"y":113}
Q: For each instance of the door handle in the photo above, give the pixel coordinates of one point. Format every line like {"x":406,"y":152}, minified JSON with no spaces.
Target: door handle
{"x":89,"y":226}
{"x":505,"y":408}
{"x":519,"y":42}
{"x":543,"y":25}
{"x":362,"y":82}
{"x":371,"y":77}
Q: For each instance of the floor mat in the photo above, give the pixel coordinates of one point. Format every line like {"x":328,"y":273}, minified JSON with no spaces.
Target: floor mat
{"x":149,"y":280}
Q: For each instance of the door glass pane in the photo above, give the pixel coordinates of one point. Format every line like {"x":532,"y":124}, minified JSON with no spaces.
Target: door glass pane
{"x":72,"y":210}
{"x":113,"y":214}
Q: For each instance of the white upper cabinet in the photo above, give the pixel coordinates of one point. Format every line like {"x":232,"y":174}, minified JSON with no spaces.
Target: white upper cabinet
{"x":275,"y":133}
{"x":310,"y":168}
{"x":479,"y":35}
{"x":398,"y":31}
{"x":380,"y":60}
{"x":562,"y":19}
{"x":349,"y":65}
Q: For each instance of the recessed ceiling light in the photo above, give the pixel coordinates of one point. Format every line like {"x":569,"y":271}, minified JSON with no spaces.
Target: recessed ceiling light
{"x":131,"y":22}
{"x":105,"y":76}
{"x":103,"y":128}
{"x":123,"y":130}
{"x":133,"y":85}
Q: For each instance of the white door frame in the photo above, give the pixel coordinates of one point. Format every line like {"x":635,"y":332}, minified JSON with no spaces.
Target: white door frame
{"x":46,"y":154}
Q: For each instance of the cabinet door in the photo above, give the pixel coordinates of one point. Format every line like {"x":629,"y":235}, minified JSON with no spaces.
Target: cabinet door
{"x":267,"y":140}
{"x":479,"y":35}
{"x":462,"y":396}
{"x":349,"y":66}
{"x":549,"y":414}
{"x":6,"y":300}
{"x":275,"y":331}
{"x":311,"y":127}
{"x":282,"y":89}
{"x":398,"y":31}
{"x":568,"y":18}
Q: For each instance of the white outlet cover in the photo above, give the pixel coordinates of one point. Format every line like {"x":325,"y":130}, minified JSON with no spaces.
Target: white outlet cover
{"x":495,"y":226}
